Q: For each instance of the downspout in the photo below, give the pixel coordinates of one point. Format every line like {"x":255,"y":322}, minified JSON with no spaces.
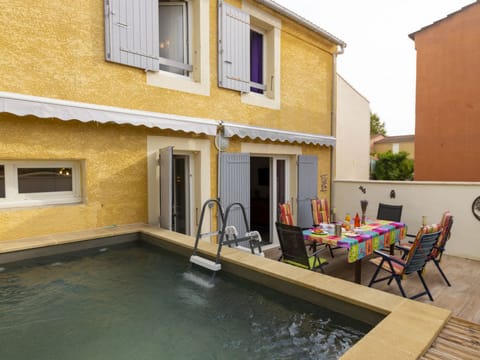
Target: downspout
{"x":333,"y":121}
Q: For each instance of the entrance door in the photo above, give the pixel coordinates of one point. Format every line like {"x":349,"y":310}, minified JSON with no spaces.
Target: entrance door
{"x":268,"y":179}
{"x":257,"y":182}
{"x":261,"y":195}
{"x":175,"y":191}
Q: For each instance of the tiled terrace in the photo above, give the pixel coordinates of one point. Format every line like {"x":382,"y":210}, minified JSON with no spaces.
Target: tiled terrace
{"x":462,"y":298}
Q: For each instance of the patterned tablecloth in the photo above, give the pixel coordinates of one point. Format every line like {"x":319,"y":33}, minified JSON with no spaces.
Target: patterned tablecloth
{"x":375,"y":235}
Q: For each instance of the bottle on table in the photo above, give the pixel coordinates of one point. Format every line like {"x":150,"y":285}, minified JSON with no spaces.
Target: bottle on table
{"x":357,"y":221}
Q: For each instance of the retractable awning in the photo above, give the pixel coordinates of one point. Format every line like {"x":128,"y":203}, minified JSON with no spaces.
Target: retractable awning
{"x":42,"y":107}
{"x":254,"y":132}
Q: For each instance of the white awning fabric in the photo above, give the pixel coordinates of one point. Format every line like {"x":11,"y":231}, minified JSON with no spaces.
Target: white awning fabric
{"x":42,"y":107}
{"x":254,"y":132}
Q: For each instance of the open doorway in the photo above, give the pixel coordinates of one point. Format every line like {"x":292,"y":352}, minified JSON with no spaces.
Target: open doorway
{"x":175,"y":191}
{"x":268,"y":187}
{"x":260,"y":194}
{"x":181,"y":194}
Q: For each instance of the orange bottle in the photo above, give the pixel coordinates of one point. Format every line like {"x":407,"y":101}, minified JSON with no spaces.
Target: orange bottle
{"x":357,"y":221}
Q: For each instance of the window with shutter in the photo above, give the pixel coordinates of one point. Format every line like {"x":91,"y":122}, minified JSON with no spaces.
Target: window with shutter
{"x":168,"y":38}
{"x":233,"y":48}
{"x":131,"y":33}
{"x":174,"y":29}
{"x":249,"y":54}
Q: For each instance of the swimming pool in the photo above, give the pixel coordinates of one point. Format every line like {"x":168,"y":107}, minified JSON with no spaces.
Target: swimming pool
{"x":139,"y":302}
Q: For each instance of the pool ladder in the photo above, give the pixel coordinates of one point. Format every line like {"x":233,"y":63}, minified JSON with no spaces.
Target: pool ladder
{"x":227,"y":235}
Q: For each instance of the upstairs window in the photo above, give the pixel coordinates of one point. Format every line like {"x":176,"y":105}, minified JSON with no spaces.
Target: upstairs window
{"x":256,"y":61}
{"x":173,"y":37}
{"x":170,"y":39}
{"x":249,"y":54}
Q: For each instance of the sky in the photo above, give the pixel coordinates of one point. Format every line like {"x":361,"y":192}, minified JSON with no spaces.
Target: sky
{"x":379,"y":60}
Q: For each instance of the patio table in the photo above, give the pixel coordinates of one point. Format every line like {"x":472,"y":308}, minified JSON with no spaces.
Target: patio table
{"x":375,"y":235}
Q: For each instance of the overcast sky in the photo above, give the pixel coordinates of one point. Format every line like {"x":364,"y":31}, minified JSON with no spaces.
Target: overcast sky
{"x":379,"y":60}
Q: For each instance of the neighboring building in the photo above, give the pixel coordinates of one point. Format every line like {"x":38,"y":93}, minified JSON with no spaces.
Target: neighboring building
{"x":94,"y":96}
{"x":447,"y":98}
{"x":395,"y":144}
{"x":352,"y":133}
{"x":373,"y":140}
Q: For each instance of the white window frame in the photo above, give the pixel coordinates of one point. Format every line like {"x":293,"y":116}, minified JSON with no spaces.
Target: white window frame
{"x":15,"y":199}
{"x":264,"y":52}
{"x":271,"y":28}
{"x":186,"y":11}
{"x":198,"y":80}
{"x":395,"y":148}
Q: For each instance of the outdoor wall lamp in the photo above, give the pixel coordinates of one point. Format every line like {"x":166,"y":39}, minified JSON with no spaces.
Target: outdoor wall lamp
{"x":221,"y":141}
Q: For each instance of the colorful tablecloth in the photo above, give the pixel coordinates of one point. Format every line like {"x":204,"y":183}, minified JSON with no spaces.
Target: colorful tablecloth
{"x":376,"y":235}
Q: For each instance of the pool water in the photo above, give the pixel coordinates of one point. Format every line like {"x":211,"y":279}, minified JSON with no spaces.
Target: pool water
{"x":140,"y":302}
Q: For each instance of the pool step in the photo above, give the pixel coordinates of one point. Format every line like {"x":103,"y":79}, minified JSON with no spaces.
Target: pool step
{"x":205,"y":263}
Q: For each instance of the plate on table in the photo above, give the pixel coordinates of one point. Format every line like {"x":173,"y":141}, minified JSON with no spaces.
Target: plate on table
{"x":351,"y":234}
{"x":319,"y":232}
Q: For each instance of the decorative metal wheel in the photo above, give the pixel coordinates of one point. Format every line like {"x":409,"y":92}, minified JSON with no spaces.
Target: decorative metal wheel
{"x":476,"y":208}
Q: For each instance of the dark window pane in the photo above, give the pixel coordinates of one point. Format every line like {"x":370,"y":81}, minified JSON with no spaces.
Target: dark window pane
{"x":2,"y":181}
{"x":35,"y":180}
{"x":256,"y":59}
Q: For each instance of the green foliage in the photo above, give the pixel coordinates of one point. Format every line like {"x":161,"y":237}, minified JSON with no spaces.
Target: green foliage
{"x":376,"y":126}
{"x":391,"y":166}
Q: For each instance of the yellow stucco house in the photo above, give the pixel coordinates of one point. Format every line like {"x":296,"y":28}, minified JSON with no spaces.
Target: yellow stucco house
{"x":116,"y":112}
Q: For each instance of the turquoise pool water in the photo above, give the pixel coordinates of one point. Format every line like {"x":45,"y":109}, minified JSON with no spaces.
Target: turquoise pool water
{"x":139,"y":302}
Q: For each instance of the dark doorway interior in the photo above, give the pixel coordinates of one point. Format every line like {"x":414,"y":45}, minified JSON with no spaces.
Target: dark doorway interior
{"x":260,"y":183}
{"x":180,"y":194}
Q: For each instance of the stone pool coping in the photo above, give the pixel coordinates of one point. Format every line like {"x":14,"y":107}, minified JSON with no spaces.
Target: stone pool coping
{"x":406,"y":332}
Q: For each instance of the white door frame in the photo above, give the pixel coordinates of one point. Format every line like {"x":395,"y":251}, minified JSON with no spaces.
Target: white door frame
{"x":199,"y":150}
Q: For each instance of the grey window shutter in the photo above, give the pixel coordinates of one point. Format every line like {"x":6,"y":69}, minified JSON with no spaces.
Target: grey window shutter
{"x":234,"y":186}
{"x":131,"y":33}
{"x":307,"y":188}
{"x":166,"y":178}
{"x":233,"y":48}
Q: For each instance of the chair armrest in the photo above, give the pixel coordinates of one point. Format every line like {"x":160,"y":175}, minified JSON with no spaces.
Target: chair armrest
{"x":389,"y":257}
{"x":405,"y":250}
{"x":411,"y":236}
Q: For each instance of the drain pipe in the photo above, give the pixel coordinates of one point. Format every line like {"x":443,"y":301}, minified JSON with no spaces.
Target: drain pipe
{"x":333,"y":121}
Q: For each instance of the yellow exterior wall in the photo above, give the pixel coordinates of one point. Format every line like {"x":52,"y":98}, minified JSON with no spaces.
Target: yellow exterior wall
{"x":115,"y":180}
{"x":55,"y":49}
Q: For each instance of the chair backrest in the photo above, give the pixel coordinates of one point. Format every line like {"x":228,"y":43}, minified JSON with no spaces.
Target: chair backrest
{"x":292,"y":243}
{"x":389,"y":212}
{"x":285,"y":214}
{"x":422,"y":247}
{"x":320,"y":211}
{"x":446,"y":223}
